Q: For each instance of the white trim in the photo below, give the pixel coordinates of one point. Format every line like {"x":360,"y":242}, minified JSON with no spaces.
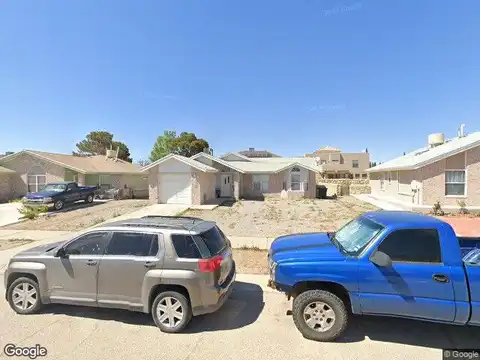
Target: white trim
{"x":220,"y":161}
{"x":465,"y":183}
{"x":295,"y":164}
{"x":193,"y":163}
{"x":236,"y":154}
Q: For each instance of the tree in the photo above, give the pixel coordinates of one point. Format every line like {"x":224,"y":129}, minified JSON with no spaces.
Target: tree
{"x":163,"y":146}
{"x":373,"y":163}
{"x":143,"y":162}
{"x":97,"y":142}
{"x":186,"y":144}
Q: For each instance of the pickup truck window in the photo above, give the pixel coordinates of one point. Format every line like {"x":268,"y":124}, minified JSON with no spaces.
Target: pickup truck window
{"x":134,"y":243}
{"x":353,"y":237}
{"x":54,"y":187}
{"x":89,"y":244}
{"x":413,"y":245}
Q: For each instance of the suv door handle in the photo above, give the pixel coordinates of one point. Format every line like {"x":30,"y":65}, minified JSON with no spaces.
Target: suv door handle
{"x":91,"y":262}
{"x":440,"y":278}
{"x":150,"y":264}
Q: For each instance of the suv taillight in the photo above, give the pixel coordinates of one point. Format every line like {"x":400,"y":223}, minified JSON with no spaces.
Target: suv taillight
{"x":210,"y":265}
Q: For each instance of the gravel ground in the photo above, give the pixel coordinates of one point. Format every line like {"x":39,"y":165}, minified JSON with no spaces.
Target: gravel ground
{"x":79,"y":216}
{"x":274,"y":217}
{"x":250,"y":261}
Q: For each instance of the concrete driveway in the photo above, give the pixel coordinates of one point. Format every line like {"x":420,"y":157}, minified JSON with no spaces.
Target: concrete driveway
{"x":9,"y":213}
{"x":253,"y":324}
{"x":156,"y":209}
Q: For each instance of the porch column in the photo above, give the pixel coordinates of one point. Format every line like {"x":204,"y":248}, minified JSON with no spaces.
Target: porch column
{"x":81,"y":179}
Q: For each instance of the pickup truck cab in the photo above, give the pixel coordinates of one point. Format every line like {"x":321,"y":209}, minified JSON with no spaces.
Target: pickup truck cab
{"x":58,"y":194}
{"x":386,"y":263}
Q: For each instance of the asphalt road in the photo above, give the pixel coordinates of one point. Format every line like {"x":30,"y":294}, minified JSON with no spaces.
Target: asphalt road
{"x":253,"y":324}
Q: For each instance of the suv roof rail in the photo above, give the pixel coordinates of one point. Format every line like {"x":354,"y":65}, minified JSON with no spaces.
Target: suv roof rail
{"x":171,"y":217}
{"x":146,"y":224}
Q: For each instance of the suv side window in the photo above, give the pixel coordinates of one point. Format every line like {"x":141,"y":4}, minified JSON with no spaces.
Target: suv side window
{"x":185,"y":247}
{"x":89,"y":244}
{"x":133,"y":243}
{"x":413,"y":245}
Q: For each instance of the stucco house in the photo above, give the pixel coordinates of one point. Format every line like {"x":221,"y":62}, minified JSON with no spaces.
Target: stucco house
{"x":445,"y":170}
{"x":203,"y":177}
{"x":28,"y":170}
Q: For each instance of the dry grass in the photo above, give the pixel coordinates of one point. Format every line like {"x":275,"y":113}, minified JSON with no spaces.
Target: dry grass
{"x":11,"y":243}
{"x":274,"y":216}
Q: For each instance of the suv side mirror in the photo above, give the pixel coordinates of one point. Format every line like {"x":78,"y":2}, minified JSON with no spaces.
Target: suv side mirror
{"x":381,"y":259}
{"x":61,"y":253}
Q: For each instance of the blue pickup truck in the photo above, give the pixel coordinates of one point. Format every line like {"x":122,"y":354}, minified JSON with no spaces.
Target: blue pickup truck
{"x":60,"y":193}
{"x":385,"y":263}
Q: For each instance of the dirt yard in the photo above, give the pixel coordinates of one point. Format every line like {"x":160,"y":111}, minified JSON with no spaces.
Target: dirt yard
{"x":250,"y":261}
{"x":275,"y":217}
{"x":79,"y":216}
{"x":11,"y":243}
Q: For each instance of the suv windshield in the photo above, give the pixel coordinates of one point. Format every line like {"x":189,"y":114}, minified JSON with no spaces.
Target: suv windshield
{"x":211,"y":241}
{"x":356,"y":235}
{"x":54,"y":187}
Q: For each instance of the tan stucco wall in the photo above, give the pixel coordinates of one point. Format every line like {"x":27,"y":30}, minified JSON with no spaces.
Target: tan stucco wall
{"x":23,"y":163}
{"x":6,"y":182}
{"x":153,"y":184}
{"x":203,"y":187}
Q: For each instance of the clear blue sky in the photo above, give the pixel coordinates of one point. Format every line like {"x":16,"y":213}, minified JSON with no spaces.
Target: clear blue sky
{"x":288,"y":76}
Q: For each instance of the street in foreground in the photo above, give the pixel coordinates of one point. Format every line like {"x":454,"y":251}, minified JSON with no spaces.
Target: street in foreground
{"x":253,"y":321}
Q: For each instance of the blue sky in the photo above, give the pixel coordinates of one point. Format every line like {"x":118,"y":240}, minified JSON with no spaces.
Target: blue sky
{"x":288,"y":76}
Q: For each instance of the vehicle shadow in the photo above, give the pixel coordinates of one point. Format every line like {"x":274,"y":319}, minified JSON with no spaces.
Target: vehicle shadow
{"x":72,"y":207}
{"x":411,"y":332}
{"x":243,"y":307}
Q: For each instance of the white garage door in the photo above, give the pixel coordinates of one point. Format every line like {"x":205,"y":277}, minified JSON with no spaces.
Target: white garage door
{"x":175,"y":188}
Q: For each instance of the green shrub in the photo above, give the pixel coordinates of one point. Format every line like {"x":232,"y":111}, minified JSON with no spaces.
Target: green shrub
{"x":437,"y":209}
{"x":32,"y":212}
{"x":463,"y":207}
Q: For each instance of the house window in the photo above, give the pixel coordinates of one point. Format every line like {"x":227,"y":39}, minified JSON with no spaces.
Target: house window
{"x":322,"y":162}
{"x":36,"y":179}
{"x":295,"y":179}
{"x":355,"y":163}
{"x":455,"y":183}
{"x":260,"y":182}
{"x":104,"y":181}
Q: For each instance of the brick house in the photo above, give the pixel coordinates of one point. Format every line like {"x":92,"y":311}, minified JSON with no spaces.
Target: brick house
{"x":445,"y":171}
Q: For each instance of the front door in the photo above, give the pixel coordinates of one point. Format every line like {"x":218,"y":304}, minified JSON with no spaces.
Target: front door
{"x":123,"y":269}
{"x":226,"y":186}
{"x":72,"y":279}
{"x":417,"y":285}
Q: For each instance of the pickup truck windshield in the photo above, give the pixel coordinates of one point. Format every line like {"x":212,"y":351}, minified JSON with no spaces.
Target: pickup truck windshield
{"x":353,"y":237}
{"x":54,"y":187}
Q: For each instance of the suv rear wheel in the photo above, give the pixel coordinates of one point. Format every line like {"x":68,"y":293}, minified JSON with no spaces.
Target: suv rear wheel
{"x":171,"y":311}
{"x":320,"y":315}
{"x":24,"y":296}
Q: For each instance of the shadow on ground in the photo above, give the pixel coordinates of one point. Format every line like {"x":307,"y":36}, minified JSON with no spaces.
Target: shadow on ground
{"x":72,"y":207}
{"x":411,"y":332}
{"x":242,"y":308}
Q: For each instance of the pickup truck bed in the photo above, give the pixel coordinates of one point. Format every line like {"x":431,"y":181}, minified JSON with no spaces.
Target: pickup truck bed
{"x":467,"y":244}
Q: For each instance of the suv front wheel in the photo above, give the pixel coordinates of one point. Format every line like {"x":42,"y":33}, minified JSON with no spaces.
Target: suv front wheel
{"x":24,"y":296}
{"x":171,"y":311}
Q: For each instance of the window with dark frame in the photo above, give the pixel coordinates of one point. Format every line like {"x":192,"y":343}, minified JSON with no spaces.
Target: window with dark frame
{"x":133,"y":243}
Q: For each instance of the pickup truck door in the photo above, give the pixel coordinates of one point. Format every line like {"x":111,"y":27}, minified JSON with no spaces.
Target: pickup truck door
{"x":122,"y":276}
{"x":72,"y":193}
{"x":72,"y":279}
{"x":416,"y":285}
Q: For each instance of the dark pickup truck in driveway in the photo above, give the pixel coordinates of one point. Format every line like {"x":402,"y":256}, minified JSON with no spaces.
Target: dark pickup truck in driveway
{"x":384,"y":263}
{"x":60,"y":193}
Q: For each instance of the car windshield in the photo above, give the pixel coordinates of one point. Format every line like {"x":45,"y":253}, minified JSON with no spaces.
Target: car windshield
{"x":54,"y":187}
{"x":356,"y":235}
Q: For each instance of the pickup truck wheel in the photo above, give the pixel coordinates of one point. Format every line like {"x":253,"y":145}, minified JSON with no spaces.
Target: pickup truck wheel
{"x":171,"y":311}
{"x":319,"y":315}
{"x":24,"y":296}
{"x":58,"y":204}
{"x":89,"y":199}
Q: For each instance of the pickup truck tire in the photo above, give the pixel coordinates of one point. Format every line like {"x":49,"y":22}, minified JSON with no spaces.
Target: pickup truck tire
{"x":58,"y":204}
{"x":89,"y":199}
{"x":308,"y":302}
{"x":176,"y":304}
{"x":24,"y":296}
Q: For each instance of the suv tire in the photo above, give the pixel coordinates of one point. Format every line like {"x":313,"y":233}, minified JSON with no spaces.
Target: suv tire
{"x":27,"y":289}
{"x":320,"y":306}
{"x":171,"y":311}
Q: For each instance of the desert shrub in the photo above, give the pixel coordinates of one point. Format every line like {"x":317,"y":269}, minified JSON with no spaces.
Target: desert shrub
{"x":463,"y":207}
{"x":32,"y":212}
{"x":437,"y":209}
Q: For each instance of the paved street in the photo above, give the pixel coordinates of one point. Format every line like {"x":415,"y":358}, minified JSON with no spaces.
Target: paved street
{"x":253,"y":324}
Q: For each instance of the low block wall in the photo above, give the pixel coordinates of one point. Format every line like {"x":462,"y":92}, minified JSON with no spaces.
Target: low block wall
{"x":343,"y":187}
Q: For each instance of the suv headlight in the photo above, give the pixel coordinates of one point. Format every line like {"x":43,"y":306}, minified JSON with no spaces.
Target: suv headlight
{"x":47,"y":199}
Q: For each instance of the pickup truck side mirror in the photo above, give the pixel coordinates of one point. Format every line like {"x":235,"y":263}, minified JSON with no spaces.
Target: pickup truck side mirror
{"x":381,"y":259}
{"x":61,"y":253}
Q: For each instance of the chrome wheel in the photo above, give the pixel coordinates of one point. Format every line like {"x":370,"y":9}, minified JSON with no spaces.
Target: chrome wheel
{"x":319,"y":316}
{"x":170,"y":312}
{"x":58,"y":205}
{"x":90,"y":198}
{"x":24,"y":296}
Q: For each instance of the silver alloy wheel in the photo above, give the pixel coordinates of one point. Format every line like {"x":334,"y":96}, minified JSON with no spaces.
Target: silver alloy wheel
{"x":58,"y":204}
{"x":319,"y":316}
{"x":170,"y":312}
{"x":24,"y":296}
{"x":90,"y":198}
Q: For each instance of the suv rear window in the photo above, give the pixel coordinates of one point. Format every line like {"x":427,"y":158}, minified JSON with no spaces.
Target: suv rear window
{"x":213,"y":241}
{"x":185,"y":247}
